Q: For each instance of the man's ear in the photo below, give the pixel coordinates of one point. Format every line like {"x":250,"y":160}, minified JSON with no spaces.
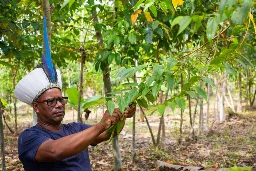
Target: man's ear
{"x":35,"y":107}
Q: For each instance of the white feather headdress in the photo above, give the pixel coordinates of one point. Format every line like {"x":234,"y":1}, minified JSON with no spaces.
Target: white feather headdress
{"x":30,"y":87}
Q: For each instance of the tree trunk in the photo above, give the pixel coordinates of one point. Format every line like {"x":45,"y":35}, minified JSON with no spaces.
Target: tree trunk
{"x":107,"y":90}
{"x":83,"y":57}
{"x":239,"y":103}
{"x":2,"y":136}
{"x":222,"y":105}
{"x":181,"y":111}
{"x":201,"y":115}
{"x":208,"y":107}
{"x":133,"y":127}
{"x":150,"y":130}
{"x":192,"y":131}
{"x":216,"y":101}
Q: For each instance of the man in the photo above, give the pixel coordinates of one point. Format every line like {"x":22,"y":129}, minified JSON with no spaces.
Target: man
{"x":51,"y":145}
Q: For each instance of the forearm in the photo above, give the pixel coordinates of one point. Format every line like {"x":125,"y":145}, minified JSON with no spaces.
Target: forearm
{"x":53,"y":150}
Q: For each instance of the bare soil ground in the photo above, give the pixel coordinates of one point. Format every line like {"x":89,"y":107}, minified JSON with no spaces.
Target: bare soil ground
{"x":232,"y":143}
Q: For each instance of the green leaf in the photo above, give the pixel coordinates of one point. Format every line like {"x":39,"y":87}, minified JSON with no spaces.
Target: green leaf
{"x":132,"y":38}
{"x":73,"y":95}
{"x":163,"y":6}
{"x":192,"y":94}
{"x":153,"y":10}
{"x":121,"y":104}
{"x":138,"y":5}
{"x":150,"y":97}
{"x":118,"y":59}
{"x":240,"y":169}
{"x":6,"y":64}
{"x":155,"y":25}
{"x":111,"y":132}
{"x":209,"y":81}
{"x":93,"y":101}
{"x":91,"y":2}
{"x":241,"y":13}
{"x":158,"y":70}
{"x":180,"y":102}
{"x":211,"y":28}
{"x":159,"y":32}
{"x":111,"y":107}
{"x":111,"y":58}
{"x":184,"y":22}
{"x":172,"y":105}
{"x":224,"y":3}
{"x":149,"y":36}
{"x":4,"y":103}
{"x":161,"y":109}
{"x":71,"y":3}
{"x":201,"y":92}
{"x":119,"y":126}
{"x":170,"y":81}
{"x":198,"y":22}
{"x":133,"y":94}
{"x":148,"y":4}
{"x":171,"y":62}
{"x":142,"y":102}
{"x":65,"y":3}
{"x":176,"y":21}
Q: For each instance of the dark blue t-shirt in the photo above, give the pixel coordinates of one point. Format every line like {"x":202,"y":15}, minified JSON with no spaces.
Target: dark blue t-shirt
{"x":30,"y":140}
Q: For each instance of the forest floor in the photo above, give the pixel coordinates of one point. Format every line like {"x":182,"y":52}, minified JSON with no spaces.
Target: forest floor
{"x":229,"y":144}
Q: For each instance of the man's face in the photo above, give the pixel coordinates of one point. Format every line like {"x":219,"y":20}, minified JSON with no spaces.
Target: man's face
{"x":46,"y":112}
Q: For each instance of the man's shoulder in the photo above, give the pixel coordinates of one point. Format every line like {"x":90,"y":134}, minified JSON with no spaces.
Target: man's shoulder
{"x":31,"y":130}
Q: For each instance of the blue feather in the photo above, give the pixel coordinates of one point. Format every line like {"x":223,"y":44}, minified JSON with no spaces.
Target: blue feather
{"x":47,"y":60}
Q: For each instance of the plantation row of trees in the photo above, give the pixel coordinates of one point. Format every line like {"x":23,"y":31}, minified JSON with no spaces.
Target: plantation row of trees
{"x":157,"y":53}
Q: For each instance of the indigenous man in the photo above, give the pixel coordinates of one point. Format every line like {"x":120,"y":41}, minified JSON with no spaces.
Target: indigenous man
{"x":51,"y":145}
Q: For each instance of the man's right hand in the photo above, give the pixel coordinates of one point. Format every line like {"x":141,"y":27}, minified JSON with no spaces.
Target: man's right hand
{"x":108,"y":120}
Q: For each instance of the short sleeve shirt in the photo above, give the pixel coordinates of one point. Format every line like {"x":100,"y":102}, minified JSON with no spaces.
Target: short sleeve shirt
{"x":30,"y":140}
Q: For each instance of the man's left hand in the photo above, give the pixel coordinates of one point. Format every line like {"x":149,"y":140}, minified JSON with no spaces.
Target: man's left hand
{"x":130,"y":111}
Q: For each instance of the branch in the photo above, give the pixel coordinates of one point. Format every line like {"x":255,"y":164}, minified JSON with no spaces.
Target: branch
{"x":206,"y":43}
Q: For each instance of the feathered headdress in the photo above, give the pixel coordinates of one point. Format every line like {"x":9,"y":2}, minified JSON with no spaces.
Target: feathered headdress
{"x":40,"y":79}
{"x":48,"y":66}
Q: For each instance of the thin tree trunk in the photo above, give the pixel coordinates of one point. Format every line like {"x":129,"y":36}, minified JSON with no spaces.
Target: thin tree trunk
{"x":83,"y":57}
{"x":201,"y":115}
{"x":133,"y":127}
{"x":181,"y":111}
{"x":216,"y":101}
{"x":150,"y":130}
{"x":208,"y":107}
{"x":222,"y":105}
{"x":2,"y":137}
{"x":107,"y":90}
{"x":239,"y":104}
{"x":192,"y":131}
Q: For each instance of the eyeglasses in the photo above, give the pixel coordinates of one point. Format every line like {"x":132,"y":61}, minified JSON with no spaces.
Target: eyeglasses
{"x":53,"y":101}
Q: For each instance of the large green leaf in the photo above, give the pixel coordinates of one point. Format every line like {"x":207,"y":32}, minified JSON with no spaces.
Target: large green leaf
{"x":170,"y":81}
{"x":184,"y":22}
{"x":211,"y":28}
{"x":93,"y":101}
{"x":119,"y":126}
{"x":161,"y":108}
{"x":142,"y":102}
{"x":132,"y":38}
{"x":172,"y":105}
{"x":201,"y":92}
{"x":180,"y":102}
{"x":241,"y":13}
{"x":209,"y":81}
{"x":73,"y":95}
{"x":138,"y":5}
{"x":111,"y":107}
